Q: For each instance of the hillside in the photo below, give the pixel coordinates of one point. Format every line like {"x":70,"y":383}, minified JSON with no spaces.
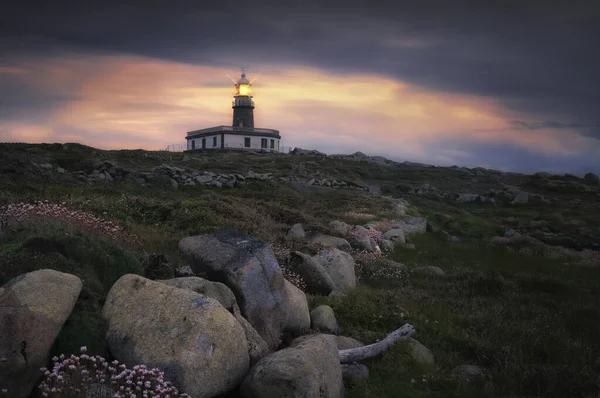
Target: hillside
{"x":520,"y":254}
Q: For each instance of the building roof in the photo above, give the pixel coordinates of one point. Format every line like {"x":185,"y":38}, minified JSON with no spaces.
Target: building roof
{"x":243,"y":79}
{"x":234,"y":130}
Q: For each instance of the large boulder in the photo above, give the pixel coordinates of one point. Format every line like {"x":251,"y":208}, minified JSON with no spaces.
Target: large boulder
{"x":327,"y":241}
{"x":591,"y":177}
{"x":340,"y":266}
{"x":298,"y":314}
{"x":323,"y":319}
{"x":33,"y":309}
{"x":194,"y":340}
{"x":314,"y":275}
{"x":249,"y":268}
{"x":309,"y":368}
{"x":257,"y":347}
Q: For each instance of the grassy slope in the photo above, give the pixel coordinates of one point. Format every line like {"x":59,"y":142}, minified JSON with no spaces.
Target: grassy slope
{"x":531,"y":321}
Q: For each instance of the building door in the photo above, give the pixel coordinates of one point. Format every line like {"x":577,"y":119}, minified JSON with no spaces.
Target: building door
{"x":263,"y":143}
{"x":203,"y":143}
{"x":193,"y":144}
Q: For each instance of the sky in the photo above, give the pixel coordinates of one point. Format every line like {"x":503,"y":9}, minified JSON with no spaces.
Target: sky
{"x":509,"y":85}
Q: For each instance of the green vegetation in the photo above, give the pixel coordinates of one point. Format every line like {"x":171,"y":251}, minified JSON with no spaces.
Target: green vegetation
{"x":530,"y":320}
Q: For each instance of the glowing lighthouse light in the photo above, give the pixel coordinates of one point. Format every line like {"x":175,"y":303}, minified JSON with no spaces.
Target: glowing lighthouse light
{"x":242,"y":87}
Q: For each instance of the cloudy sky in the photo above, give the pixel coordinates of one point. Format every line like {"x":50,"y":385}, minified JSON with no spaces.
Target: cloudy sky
{"x":511,"y":85}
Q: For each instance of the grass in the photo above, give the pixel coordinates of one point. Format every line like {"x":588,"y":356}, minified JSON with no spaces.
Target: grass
{"x":530,"y":321}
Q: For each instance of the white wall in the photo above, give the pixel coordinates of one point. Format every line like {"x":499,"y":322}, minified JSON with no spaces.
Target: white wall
{"x":234,"y":142}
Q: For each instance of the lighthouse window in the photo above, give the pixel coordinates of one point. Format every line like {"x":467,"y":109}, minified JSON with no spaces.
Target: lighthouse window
{"x":263,"y":143}
{"x":214,"y":141}
{"x":247,"y":142}
{"x":272,"y":144}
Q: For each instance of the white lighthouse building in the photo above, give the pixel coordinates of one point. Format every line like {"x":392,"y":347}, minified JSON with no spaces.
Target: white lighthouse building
{"x":241,"y":134}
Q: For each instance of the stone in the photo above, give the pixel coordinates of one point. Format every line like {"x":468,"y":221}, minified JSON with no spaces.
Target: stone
{"x":591,"y":177}
{"x":340,"y":266}
{"x":308,"y":368}
{"x":386,"y":245}
{"x":340,"y":227}
{"x":296,"y":232}
{"x":467,"y":372}
{"x":354,"y":373}
{"x":298,"y":314}
{"x":214,"y":290}
{"x":327,"y":241}
{"x":194,"y":340}
{"x":60,"y":170}
{"x":257,"y":346}
{"x":420,"y":354}
{"x":312,"y":272}
{"x":430,"y":270}
{"x":521,"y":198}
{"x":365,"y":243}
{"x":346,"y":343}
{"x":467,"y":198}
{"x":412,"y":226}
{"x":33,"y":308}
{"x":203,"y":179}
{"x":249,"y":268}
{"x":395,"y":235}
{"x":323,"y":319}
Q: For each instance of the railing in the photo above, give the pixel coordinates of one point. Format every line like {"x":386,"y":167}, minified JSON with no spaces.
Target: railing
{"x":183,"y":147}
{"x":233,"y":128}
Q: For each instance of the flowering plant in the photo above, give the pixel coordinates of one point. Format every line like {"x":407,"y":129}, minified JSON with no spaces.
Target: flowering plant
{"x":20,"y":213}
{"x":84,"y":376}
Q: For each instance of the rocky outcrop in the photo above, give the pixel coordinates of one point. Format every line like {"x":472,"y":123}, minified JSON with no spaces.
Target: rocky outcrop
{"x":298,"y":314}
{"x":327,"y":241}
{"x":33,"y":309}
{"x":309,"y":368}
{"x":249,"y":268}
{"x":199,"y":345}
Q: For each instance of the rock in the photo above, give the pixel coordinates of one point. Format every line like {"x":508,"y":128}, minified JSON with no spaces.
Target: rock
{"x":203,"y":179}
{"x":174,"y":183}
{"x":298,"y":314}
{"x":296,"y":232}
{"x":46,"y":166}
{"x":249,"y":268}
{"x":305,"y":152}
{"x":312,"y":272}
{"x":309,"y":368}
{"x":184,"y":271}
{"x":323,"y":319}
{"x":365,"y":243}
{"x":257,"y":346}
{"x":327,"y":241}
{"x":60,"y":170}
{"x":33,"y":308}
{"x":467,"y":197}
{"x":340,"y":227}
{"x":430,"y":270}
{"x":354,"y":373}
{"x":467,"y":372}
{"x":419,"y":353}
{"x":591,"y":177}
{"x":156,"y":266}
{"x":339,"y":266}
{"x":521,"y":198}
{"x":345,"y":343}
{"x":395,"y":235}
{"x":412,"y":226}
{"x":194,"y":340}
{"x":542,"y":174}
{"x":214,"y":290}
{"x":386,"y":245}
{"x":409,"y":246}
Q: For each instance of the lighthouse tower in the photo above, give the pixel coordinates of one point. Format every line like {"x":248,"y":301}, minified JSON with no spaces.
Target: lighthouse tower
{"x":241,"y":135}
{"x":243,"y":105}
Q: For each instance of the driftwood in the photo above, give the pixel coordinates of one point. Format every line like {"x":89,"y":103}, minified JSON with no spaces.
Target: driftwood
{"x":371,"y":350}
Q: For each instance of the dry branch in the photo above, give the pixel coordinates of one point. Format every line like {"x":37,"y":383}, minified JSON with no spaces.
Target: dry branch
{"x":371,"y":350}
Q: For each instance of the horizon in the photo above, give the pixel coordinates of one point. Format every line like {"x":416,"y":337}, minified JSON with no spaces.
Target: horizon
{"x":512,"y":88}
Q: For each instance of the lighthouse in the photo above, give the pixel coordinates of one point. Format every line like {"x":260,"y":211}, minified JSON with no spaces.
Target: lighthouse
{"x":243,"y":104}
{"x":241,"y":135}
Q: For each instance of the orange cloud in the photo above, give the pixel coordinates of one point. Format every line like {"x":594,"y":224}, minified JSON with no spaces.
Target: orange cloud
{"x":137,"y":102}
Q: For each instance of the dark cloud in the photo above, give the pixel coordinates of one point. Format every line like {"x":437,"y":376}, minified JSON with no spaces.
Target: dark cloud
{"x":535,"y":57}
